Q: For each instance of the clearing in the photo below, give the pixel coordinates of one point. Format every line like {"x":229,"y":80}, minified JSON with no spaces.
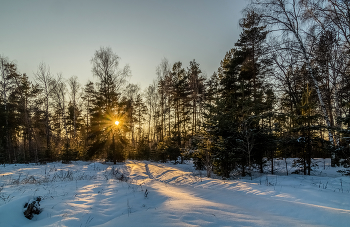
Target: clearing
{"x":145,"y":193}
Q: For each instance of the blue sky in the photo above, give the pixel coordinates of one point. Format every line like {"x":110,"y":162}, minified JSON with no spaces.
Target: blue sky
{"x":65,"y":34}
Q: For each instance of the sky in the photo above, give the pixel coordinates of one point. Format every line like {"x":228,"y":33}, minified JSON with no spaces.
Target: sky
{"x":65,"y":34}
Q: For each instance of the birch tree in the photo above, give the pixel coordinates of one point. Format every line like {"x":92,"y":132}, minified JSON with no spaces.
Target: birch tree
{"x":285,"y":18}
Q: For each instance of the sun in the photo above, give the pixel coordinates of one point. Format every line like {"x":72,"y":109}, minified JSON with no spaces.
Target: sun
{"x":116,"y":122}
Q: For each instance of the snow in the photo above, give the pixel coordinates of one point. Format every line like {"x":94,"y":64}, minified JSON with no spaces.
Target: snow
{"x":98,"y":194}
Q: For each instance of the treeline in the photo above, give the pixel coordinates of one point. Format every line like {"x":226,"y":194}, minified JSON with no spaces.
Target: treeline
{"x":282,"y":91}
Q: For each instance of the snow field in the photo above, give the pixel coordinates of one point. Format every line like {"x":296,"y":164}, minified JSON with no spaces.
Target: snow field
{"x":96,"y":194}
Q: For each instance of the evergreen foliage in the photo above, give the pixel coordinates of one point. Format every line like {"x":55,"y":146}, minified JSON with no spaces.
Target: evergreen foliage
{"x":275,"y":95}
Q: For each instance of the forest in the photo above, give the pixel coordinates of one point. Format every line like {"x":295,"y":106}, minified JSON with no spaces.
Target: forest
{"x":282,"y":91}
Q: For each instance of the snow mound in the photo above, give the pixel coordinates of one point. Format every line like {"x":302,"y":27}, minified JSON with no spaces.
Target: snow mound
{"x":96,"y":166}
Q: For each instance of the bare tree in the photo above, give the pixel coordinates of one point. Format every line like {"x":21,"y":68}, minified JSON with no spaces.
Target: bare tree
{"x":333,"y":20}
{"x":45,"y":81}
{"x":285,"y":17}
{"x":105,"y":66}
{"x":332,"y":15}
{"x":58,"y":92}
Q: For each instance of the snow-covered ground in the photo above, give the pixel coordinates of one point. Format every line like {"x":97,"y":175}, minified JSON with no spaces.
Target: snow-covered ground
{"x":136,"y":193}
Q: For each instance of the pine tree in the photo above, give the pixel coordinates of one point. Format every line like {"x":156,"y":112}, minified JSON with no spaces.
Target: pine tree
{"x":197,"y":88}
{"x":87,"y":97}
{"x":140,"y":110}
{"x":244,"y":99}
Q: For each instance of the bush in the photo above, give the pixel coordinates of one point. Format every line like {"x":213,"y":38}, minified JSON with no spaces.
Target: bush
{"x":32,"y":207}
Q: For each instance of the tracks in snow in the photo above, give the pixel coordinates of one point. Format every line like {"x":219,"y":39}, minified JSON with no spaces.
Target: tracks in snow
{"x":148,"y":172}
{"x":161,"y":173}
{"x":235,"y":202}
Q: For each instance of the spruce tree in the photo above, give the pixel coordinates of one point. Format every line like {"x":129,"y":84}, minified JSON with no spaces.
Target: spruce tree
{"x":245,"y":98}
